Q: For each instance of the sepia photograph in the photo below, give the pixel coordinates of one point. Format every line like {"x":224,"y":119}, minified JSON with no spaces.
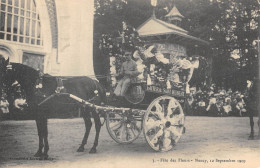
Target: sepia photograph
{"x":129,"y":84}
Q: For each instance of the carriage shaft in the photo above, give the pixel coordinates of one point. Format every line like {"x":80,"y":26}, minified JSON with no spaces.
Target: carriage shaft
{"x":104,"y":108}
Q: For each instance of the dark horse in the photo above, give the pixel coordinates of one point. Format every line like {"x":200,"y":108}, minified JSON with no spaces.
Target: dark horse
{"x":30,"y":81}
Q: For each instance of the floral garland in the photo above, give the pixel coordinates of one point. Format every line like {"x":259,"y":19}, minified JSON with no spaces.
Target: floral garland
{"x":154,"y":67}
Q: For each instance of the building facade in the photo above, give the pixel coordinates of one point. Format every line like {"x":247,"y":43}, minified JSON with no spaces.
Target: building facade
{"x":54,"y":36}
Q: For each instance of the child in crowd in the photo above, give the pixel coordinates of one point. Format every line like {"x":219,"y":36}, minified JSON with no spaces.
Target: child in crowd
{"x":227,"y":107}
{"x":240,"y":106}
{"x":212,"y":108}
{"x":4,"y":107}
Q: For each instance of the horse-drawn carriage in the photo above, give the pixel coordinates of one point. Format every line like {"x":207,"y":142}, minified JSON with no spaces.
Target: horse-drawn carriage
{"x":155,"y":111}
{"x":159,"y":115}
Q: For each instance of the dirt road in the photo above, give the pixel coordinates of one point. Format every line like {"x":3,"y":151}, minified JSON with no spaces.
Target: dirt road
{"x":208,"y":142}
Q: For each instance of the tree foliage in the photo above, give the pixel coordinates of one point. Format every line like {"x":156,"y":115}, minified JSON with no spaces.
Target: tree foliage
{"x":227,"y":24}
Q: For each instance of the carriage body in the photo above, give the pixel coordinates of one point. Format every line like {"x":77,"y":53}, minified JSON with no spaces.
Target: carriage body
{"x":142,"y":94}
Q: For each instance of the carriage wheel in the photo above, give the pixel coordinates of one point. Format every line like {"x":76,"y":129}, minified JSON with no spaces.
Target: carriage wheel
{"x":123,"y":126}
{"x":163,"y":123}
{"x":135,"y":94}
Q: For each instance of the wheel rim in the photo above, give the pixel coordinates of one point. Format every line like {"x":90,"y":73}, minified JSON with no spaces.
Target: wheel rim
{"x":123,"y":127}
{"x":163,"y":123}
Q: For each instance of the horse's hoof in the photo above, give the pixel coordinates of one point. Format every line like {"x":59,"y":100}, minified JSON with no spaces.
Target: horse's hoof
{"x":81,"y":149}
{"x":38,"y":154}
{"x":93,"y":150}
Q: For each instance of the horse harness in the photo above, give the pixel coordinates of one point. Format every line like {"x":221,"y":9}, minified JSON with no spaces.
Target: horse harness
{"x":59,"y":89}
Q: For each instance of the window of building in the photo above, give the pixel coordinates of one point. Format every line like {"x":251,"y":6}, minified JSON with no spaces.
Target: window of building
{"x":33,"y":60}
{"x":20,"y":22}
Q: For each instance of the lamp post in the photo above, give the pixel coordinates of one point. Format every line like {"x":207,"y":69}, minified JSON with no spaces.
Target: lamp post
{"x":154,"y":4}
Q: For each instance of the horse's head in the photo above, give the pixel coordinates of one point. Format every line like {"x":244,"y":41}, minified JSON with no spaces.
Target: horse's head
{"x":26,"y":76}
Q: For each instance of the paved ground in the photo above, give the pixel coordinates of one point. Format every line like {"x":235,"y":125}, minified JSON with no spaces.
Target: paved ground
{"x":207,"y":139}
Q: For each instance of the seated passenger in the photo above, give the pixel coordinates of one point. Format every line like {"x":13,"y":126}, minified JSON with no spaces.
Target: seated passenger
{"x":128,"y":72}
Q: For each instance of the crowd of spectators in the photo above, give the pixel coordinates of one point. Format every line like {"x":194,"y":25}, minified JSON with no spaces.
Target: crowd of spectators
{"x":209,"y":101}
{"x":216,"y":102}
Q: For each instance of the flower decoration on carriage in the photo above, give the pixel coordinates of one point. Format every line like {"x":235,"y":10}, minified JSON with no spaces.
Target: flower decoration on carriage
{"x":160,"y":58}
{"x":148,"y":52}
{"x":158,"y":65}
{"x":130,"y":37}
{"x":109,"y":46}
{"x":154,"y":66}
{"x":112,"y":49}
{"x":141,"y":67}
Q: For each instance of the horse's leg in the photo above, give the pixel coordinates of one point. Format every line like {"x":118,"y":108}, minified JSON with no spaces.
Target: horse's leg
{"x":98,"y":128}
{"x":45,"y":138}
{"x":88,"y":124}
{"x":39,"y":129}
{"x":41,"y":121}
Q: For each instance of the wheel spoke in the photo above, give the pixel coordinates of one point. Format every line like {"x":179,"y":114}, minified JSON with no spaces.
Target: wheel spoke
{"x":115,"y":125}
{"x":152,"y":124}
{"x":158,"y":107}
{"x":174,"y":131}
{"x":122,"y":130}
{"x":133,"y":131}
{"x":164,"y":112}
{"x":155,"y":115}
{"x":116,"y":131}
{"x":154,"y":139}
{"x":158,"y":114}
{"x":172,"y":105}
{"x":136,"y":127}
{"x":167,"y":143}
{"x":128,"y":136}
{"x":175,"y":120}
